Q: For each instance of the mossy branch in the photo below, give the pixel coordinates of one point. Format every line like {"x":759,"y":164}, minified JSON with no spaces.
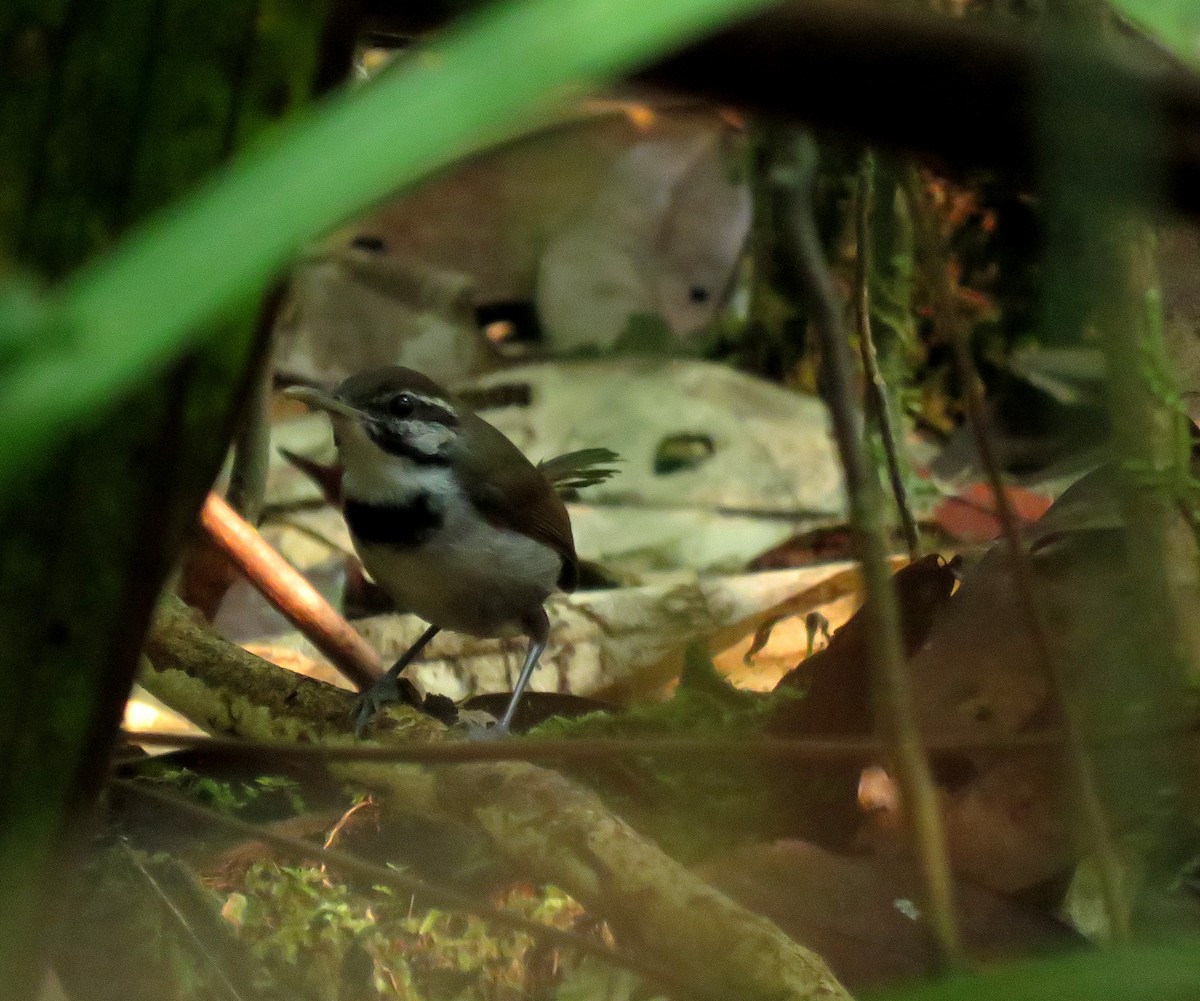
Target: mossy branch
{"x":543,"y":824}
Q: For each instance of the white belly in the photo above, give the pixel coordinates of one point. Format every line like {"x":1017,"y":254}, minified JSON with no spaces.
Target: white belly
{"x":469,"y":577}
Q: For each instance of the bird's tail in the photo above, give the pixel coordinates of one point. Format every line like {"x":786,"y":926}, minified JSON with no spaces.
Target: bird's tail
{"x":582,"y":468}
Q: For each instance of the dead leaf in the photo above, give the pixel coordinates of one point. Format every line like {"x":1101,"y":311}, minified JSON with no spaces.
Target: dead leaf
{"x":614,"y":645}
{"x":660,"y":237}
{"x":862,"y":915}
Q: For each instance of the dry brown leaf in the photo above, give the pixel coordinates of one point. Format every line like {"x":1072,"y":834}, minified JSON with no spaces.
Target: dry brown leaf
{"x":617,"y":644}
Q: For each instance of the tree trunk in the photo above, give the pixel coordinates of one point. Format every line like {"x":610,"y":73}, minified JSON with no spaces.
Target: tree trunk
{"x":108,"y":110}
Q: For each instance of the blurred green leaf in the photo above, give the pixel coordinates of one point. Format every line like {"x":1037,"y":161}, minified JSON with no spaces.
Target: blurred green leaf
{"x":1155,"y":973}
{"x":1176,"y":23}
{"x":129,"y":313}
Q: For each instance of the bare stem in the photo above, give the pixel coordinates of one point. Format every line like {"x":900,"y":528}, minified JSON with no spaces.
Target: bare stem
{"x":287,"y":589}
{"x":877,"y":396}
{"x":1078,"y":763}
{"x":252,"y":442}
{"x":791,"y":177}
{"x":252,"y":452}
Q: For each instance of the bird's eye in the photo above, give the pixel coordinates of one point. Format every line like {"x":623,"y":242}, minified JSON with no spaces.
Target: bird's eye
{"x":400,"y":405}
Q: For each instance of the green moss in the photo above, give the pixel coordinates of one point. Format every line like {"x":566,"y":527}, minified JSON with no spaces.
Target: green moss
{"x":230,"y":796}
{"x":319,"y":939}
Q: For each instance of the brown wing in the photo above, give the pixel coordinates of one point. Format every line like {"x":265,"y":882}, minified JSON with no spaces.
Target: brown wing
{"x":510,"y":492}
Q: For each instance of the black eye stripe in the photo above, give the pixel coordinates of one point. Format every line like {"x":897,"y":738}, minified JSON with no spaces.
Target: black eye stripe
{"x":399,"y":444}
{"x":416,"y":408}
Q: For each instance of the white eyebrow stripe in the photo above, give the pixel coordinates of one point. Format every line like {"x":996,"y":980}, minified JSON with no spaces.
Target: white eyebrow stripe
{"x":434,"y":401}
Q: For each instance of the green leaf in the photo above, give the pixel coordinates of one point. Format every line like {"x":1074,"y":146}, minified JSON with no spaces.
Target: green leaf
{"x":892,"y":269}
{"x":131,"y":312}
{"x":1157,"y":973}
{"x":1176,"y":23}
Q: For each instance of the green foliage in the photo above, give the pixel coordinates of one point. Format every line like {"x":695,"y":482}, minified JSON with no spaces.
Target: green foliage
{"x":1175,"y":478}
{"x":1155,"y":973}
{"x":892,"y":272}
{"x":107,"y":109}
{"x":228,"y":797}
{"x":25,"y":324}
{"x":595,"y":980}
{"x":308,"y":937}
{"x":120,"y":942}
{"x":1174,"y":22}
{"x":319,"y":939}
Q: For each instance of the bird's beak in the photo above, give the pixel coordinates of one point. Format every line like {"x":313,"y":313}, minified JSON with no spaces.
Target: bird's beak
{"x":319,"y":400}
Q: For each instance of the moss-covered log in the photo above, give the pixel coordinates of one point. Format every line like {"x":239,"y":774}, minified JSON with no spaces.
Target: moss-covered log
{"x":544,"y":825}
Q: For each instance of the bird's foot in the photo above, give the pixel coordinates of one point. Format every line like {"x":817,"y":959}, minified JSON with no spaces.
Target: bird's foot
{"x":384,"y":692}
{"x":486,"y":732}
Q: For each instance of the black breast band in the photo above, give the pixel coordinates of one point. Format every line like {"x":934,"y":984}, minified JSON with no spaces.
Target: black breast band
{"x":401,"y":526}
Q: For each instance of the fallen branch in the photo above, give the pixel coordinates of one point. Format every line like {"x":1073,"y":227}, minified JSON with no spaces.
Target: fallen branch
{"x":553,"y":830}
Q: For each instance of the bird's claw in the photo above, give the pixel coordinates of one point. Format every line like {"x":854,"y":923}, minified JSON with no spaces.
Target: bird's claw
{"x":384,"y":692}
{"x":485,"y":732}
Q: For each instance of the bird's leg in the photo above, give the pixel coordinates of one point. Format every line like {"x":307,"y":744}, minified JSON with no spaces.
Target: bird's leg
{"x":538,"y":628}
{"x":539,"y":633}
{"x":387,"y":688}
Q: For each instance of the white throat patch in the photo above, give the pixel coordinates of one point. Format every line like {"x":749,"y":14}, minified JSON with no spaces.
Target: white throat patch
{"x":376,"y":476}
{"x":428,"y":437}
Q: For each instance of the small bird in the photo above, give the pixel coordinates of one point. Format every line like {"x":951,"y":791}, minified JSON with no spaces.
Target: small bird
{"x":449,"y":517}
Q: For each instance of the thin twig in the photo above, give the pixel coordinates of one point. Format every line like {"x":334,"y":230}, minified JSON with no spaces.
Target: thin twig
{"x":337,"y":829}
{"x":877,"y":397}
{"x":583,"y":749}
{"x":792,"y":177}
{"x":438,"y":896}
{"x":287,"y":589}
{"x":1078,"y":763}
{"x":193,"y":936}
